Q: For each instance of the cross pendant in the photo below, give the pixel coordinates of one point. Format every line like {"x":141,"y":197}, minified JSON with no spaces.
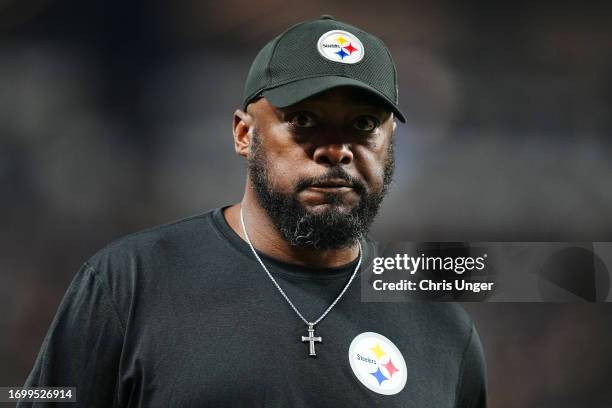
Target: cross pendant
{"x":311,"y":339}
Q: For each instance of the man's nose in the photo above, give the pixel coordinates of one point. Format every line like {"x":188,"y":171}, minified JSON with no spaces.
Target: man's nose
{"x":333,"y":154}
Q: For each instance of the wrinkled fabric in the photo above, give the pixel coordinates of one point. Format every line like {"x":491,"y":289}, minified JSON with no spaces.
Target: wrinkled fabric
{"x":182,"y":315}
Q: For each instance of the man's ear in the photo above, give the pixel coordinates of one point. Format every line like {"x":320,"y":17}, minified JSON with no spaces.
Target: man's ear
{"x":242,"y":125}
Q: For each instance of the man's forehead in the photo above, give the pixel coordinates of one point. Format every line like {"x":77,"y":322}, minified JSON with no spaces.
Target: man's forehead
{"x":346,"y":96}
{"x":335,"y":99}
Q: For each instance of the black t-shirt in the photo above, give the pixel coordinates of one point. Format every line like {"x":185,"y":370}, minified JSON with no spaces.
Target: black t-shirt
{"x":182,"y":315}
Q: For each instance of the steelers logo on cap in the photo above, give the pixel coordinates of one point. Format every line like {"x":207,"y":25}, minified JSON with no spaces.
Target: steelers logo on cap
{"x":340,"y":46}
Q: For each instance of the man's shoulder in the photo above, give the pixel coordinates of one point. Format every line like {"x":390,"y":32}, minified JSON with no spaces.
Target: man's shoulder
{"x":154,"y":241}
{"x":183,"y":228}
{"x":447,"y":319}
{"x":449,"y":312}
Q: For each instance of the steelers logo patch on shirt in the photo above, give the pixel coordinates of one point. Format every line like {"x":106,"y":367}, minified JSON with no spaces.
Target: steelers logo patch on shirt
{"x":377,"y":363}
{"x":340,"y":46}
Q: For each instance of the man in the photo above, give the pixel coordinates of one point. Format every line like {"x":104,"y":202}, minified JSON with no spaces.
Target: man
{"x":258,"y":303}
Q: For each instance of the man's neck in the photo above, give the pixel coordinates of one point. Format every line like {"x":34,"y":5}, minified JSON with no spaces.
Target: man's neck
{"x":266,"y":238}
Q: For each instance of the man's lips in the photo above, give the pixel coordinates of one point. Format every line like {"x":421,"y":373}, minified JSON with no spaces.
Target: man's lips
{"x":329,"y":189}
{"x":331,"y":186}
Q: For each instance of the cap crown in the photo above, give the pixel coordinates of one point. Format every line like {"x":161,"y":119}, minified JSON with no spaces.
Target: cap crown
{"x":294,"y":55}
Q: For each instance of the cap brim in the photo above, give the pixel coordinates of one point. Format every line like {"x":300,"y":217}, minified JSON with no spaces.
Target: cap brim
{"x":294,"y":92}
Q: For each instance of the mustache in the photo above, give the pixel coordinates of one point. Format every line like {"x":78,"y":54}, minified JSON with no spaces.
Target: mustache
{"x":334,"y":173}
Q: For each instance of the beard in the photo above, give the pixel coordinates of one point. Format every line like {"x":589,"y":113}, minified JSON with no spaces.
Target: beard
{"x":333,"y":228}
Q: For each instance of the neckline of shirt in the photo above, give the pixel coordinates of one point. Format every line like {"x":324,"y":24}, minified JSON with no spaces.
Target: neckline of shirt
{"x":276,"y":266}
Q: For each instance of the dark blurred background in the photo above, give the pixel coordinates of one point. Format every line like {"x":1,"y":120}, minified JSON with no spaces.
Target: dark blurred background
{"x":116,"y":116}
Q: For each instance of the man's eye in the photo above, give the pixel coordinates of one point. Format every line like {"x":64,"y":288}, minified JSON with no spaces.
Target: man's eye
{"x":365,"y":123}
{"x":302,"y":120}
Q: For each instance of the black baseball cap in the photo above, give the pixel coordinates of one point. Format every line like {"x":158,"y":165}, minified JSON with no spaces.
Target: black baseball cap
{"x":314,"y":56}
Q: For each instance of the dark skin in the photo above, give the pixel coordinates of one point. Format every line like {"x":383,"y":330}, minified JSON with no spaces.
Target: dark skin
{"x":342,"y":126}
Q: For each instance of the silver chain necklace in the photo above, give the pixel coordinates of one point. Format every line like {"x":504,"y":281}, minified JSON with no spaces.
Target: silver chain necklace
{"x":311,"y":335}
